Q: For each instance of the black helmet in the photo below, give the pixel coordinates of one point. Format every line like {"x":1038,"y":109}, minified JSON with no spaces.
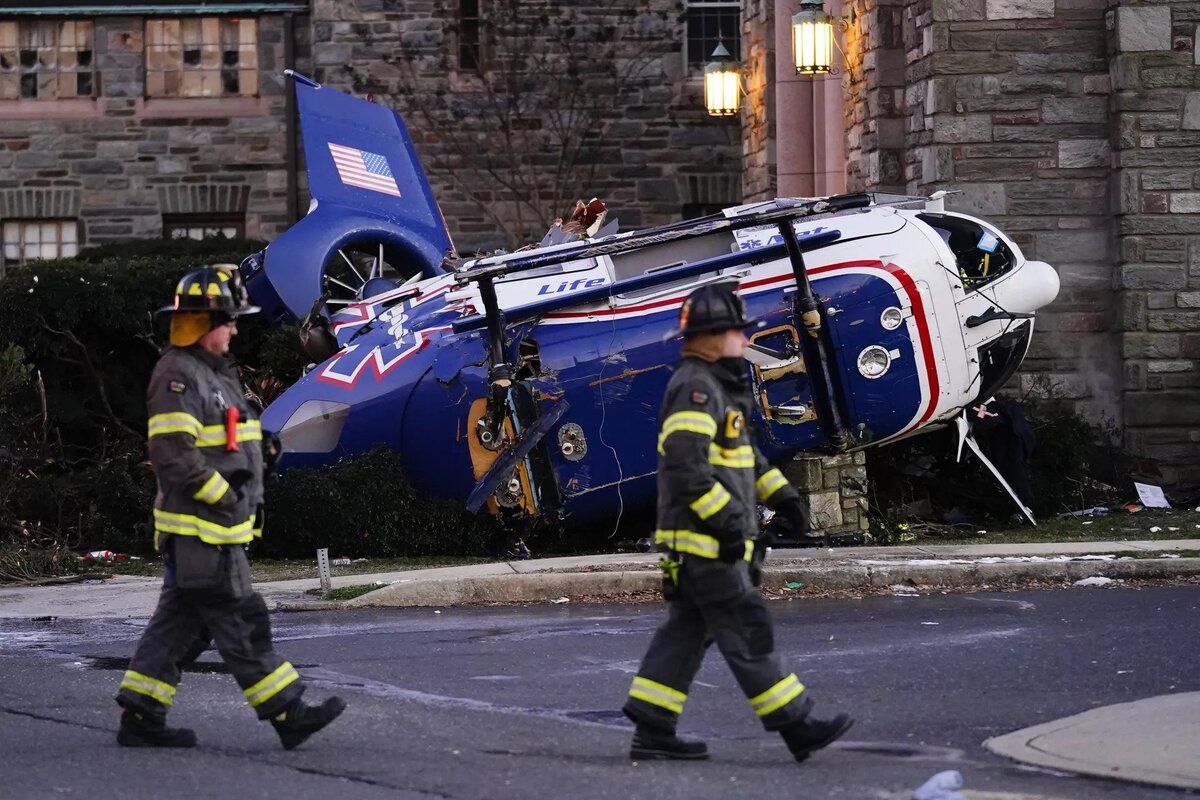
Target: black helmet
{"x":712,"y":308}
{"x":217,"y":289}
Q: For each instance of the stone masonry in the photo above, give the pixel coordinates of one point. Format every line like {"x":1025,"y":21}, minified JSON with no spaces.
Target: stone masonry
{"x":118,"y":162}
{"x":1074,"y":126}
{"x":656,"y":150}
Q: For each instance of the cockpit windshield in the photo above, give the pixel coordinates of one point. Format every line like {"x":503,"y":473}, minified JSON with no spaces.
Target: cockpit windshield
{"x":980,"y":255}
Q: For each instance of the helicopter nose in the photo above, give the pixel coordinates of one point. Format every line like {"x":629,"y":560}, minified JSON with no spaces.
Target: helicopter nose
{"x":1036,"y":286}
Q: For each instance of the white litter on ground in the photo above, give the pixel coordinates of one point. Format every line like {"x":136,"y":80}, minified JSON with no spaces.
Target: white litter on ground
{"x":1096,"y":580}
{"x":903,"y":589}
{"x":560,"y":600}
{"x":1155,"y":529}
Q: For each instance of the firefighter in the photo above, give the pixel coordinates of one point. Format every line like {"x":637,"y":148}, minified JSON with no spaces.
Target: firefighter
{"x":205,"y":444}
{"x":710,"y":479}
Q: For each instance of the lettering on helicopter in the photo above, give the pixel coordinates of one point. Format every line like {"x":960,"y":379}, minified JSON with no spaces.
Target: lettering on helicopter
{"x":570,"y":286}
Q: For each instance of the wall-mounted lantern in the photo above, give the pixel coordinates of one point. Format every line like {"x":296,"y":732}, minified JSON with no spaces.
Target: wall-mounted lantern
{"x":812,"y":39}
{"x":722,"y":84}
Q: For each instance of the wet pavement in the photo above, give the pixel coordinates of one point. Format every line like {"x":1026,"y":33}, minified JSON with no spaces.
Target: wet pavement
{"x":514,"y":702}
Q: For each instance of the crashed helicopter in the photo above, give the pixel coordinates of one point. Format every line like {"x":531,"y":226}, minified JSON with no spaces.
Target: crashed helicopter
{"x":529,"y":382}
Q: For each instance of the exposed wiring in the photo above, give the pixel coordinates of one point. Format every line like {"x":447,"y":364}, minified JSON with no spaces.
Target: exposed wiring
{"x":604,"y":416}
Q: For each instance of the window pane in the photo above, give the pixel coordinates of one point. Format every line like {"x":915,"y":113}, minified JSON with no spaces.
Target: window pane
{"x":69,"y":249}
{"x":69,"y":230}
{"x":29,"y":234}
{"x":50,"y":231}
{"x":49,"y":251}
{"x":708,"y":24}
{"x":12,"y":252}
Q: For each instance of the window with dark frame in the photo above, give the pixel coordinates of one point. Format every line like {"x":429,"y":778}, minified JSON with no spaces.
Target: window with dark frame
{"x":202,"y":57}
{"x":709,"y":22}
{"x":26,"y":240}
{"x":46,"y":59}
{"x":203,"y":226}
{"x":470,"y":34}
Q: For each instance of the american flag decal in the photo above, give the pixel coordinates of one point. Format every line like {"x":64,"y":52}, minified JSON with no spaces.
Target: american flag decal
{"x":363,"y":169}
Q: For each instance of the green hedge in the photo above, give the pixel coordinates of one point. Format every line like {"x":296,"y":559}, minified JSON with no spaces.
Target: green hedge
{"x":81,"y":332}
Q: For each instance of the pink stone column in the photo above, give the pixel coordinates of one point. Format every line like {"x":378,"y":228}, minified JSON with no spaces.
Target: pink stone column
{"x":810,"y":138}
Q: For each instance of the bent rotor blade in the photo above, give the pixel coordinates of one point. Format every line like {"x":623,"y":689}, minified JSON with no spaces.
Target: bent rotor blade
{"x":971,"y":443}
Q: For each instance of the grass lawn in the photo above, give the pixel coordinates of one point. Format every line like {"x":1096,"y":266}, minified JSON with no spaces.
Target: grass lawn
{"x":1118,"y":526}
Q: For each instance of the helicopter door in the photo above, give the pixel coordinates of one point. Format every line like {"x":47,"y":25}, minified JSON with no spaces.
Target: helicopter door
{"x":782,"y":388}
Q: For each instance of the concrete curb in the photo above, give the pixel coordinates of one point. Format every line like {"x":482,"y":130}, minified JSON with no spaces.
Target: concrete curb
{"x":544,"y":586}
{"x":1150,"y":741}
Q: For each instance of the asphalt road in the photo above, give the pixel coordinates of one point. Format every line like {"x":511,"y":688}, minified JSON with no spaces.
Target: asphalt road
{"x":523,"y":702}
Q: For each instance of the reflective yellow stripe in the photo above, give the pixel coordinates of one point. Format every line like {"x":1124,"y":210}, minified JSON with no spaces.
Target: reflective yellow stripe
{"x":690,"y":421}
{"x":769,"y":483}
{"x":736,"y":457}
{"x":777,"y":696}
{"x":696,"y":544}
{"x":214,"y":435}
{"x":711,"y":501}
{"x":174,"y":422}
{"x":657,"y":694}
{"x":271,"y":685}
{"x":209,"y":532}
{"x":749,"y":550}
{"x":213,"y":489}
{"x":151,"y":687}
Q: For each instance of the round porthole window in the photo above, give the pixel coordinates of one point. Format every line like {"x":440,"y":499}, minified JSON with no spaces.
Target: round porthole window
{"x":891,"y":318}
{"x":873,"y":362}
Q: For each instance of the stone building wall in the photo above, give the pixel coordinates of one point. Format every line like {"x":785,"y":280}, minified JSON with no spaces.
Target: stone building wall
{"x":1155,"y":103}
{"x":875,"y":85}
{"x":117,"y":162}
{"x":657,"y":149}
{"x":760,"y":181}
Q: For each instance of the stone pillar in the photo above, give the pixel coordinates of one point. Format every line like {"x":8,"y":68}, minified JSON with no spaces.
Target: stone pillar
{"x":1155,"y":131}
{"x":834,"y":488}
{"x":874,"y":112}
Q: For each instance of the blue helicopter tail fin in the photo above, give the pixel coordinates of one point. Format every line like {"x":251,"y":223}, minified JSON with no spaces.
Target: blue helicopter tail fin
{"x":369,"y":186}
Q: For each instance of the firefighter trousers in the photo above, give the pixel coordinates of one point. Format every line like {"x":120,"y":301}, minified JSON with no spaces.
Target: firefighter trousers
{"x":237,"y":622}
{"x":714,"y":601}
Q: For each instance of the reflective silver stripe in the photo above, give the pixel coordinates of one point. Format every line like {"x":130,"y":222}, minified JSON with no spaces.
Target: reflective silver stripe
{"x":769,"y":483}
{"x":711,"y":502}
{"x":697,"y":544}
{"x":657,"y":694}
{"x":151,"y":687}
{"x":271,"y":685}
{"x":210,"y":532}
{"x":734,"y":457}
{"x":777,"y":696}
{"x":213,"y":489}
{"x":690,"y":421}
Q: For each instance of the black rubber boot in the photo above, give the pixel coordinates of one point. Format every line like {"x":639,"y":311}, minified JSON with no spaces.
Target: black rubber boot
{"x":139,"y":730}
{"x":299,"y":720}
{"x":651,"y":743}
{"x":811,"y":735}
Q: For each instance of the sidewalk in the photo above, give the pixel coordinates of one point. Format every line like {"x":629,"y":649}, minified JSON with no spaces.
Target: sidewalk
{"x":540,"y":580}
{"x":1156,"y":740}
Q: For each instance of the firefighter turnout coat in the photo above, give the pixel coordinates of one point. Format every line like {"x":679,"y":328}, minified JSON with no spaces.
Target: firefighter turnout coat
{"x":711,"y":477}
{"x":205,"y":444}
{"x":710,"y":480}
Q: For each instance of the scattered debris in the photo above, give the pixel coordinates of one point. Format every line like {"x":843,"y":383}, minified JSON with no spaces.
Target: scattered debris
{"x":1151,"y":496}
{"x":560,"y":600}
{"x":1097,"y":580}
{"x":1086,"y":512}
{"x":104,"y":555}
{"x":794,"y":584}
{"x":903,"y":590}
{"x":340,"y":562}
{"x":942,"y":786}
{"x":931,"y":623}
{"x":1155,"y":529}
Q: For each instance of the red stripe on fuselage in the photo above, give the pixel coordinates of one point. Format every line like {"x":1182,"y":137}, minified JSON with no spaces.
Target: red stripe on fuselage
{"x":906,"y":283}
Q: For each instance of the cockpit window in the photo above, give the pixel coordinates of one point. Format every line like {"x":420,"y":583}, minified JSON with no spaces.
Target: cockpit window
{"x":980,"y":255}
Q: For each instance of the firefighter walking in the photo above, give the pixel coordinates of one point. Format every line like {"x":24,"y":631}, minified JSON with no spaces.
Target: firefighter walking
{"x":710,"y":480}
{"x":205,"y":444}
